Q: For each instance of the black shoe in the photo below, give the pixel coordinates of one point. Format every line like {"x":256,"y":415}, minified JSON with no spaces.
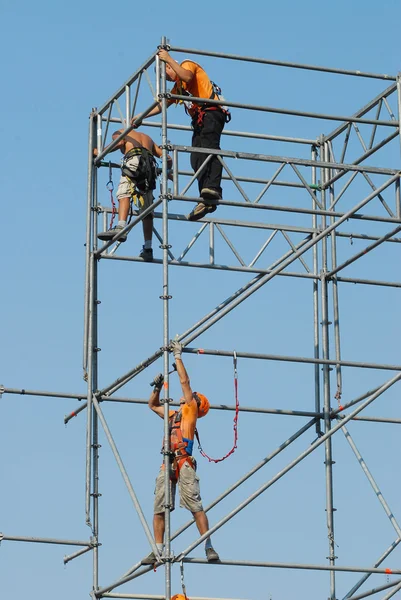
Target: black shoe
{"x":211,"y":555}
{"x":210,"y":194}
{"x":105,"y":236}
{"x":200,"y":210}
{"x":146,"y":254}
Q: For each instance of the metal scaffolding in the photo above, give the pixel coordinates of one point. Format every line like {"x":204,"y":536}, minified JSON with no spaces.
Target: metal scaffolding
{"x":305,"y":248}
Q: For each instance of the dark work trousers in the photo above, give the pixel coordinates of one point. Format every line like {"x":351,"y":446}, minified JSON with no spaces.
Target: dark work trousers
{"x":208,"y":135}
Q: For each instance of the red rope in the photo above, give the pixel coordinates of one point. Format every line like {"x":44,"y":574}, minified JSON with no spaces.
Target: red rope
{"x":235,"y":425}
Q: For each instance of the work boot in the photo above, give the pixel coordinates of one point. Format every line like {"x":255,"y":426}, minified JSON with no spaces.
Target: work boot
{"x":211,"y":555}
{"x":210,"y":194}
{"x":105,"y":236}
{"x":146,"y":254}
{"x":200,"y":210}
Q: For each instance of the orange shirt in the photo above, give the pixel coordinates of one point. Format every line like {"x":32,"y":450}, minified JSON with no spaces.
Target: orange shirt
{"x":200,"y":85}
{"x":189,"y":416}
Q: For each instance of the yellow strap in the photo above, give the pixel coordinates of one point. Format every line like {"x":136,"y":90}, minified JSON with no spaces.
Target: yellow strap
{"x":136,"y":196}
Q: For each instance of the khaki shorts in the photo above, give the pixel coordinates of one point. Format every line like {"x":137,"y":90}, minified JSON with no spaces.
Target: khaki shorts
{"x":126,"y":189}
{"x":188,"y":486}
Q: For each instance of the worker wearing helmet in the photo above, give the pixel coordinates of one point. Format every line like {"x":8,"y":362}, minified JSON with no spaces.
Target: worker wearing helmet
{"x":182,"y":424}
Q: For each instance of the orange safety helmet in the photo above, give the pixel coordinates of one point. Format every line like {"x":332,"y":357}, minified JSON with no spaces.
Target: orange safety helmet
{"x":179,"y":597}
{"x":203,"y":404}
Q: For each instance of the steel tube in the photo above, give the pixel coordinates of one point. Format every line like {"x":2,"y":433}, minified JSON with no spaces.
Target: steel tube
{"x":372,"y":481}
{"x":280,"y":63}
{"x":91,"y":350}
{"x":70,"y":557}
{"x":125,"y":476}
{"x":166,"y":339}
{"x":328,"y":462}
{"x":258,"y":270}
{"x":290,"y":466}
{"x":91,"y":145}
{"x":275,"y":565}
{"x":300,"y":359}
{"x":272,"y":207}
{"x":230,"y":132}
{"x":336,"y":310}
{"x":155,"y":597}
{"x":399,"y":102}
{"x":42,"y":540}
{"x":315,"y":296}
{"x":304,"y":162}
{"x":285,"y":111}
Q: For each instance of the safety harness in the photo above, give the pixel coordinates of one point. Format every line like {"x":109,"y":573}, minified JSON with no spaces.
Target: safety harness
{"x":201,"y":109}
{"x":144,"y":177}
{"x":180,"y":448}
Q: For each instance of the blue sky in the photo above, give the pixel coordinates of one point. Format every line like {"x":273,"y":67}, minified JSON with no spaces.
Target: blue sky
{"x":62,"y":59}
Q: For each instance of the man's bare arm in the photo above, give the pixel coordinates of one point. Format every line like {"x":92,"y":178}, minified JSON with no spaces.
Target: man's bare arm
{"x":184,"y":380}
{"x":120,"y":144}
{"x":155,"y":111}
{"x":183,"y":74}
{"x":154,"y":403}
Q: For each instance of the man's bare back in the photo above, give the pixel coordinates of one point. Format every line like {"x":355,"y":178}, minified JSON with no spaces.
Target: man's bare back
{"x":135,"y":139}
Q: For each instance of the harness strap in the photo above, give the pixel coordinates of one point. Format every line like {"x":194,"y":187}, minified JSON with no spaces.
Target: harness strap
{"x":110,"y":187}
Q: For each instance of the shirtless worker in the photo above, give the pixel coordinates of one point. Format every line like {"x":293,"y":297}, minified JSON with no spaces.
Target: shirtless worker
{"x":138,"y":175}
{"x":182,"y":424}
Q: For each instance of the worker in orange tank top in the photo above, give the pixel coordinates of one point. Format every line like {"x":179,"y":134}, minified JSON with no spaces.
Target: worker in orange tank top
{"x":182,"y":424}
{"x":207,"y":122}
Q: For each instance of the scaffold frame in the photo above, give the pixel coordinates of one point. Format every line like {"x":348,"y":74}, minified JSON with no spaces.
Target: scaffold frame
{"x":303,"y":244}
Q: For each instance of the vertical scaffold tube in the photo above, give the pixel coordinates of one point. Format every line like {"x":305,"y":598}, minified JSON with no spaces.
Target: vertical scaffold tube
{"x":167,"y":533}
{"x":326,"y":385}
{"x":315,"y":284}
{"x":88,"y":321}
{"x":399,"y":104}
{"x":91,"y":145}
{"x":336,"y":312}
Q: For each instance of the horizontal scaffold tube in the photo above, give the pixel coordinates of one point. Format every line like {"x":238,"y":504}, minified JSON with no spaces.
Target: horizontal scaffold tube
{"x":274,"y":565}
{"x":300,"y":359}
{"x":285,"y":111}
{"x":280,"y":63}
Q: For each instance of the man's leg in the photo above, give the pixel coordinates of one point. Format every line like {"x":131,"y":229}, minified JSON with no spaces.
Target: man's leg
{"x":158,"y":528}
{"x":210,"y":134}
{"x":188,"y":483}
{"x":147,"y":225}
{"x":158,"y":516}
{"x":197,"y":159}
{"x":123,"y":208}
{"x":124,"y":200}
